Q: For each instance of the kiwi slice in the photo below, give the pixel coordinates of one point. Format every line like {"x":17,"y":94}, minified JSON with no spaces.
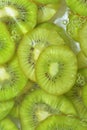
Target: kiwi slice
{"x":38,"y":105}
{"x":74,"y":25}
{"x":46,"y":1}
{"x":22,"y":12}
{"x":78,"y":6}
{"x":55,"y":71}
{"x":62,"y":122}
{"x":82,"y":60}
{"x":7,"y":46}
{"x":83,"y":38}
{"x":31,"y":46}
{"x":7,"y":124}
{"x":12,"y":80}
{"x":46,"y":12}
{"x":5,"y":108}
{"x":76,"y":94}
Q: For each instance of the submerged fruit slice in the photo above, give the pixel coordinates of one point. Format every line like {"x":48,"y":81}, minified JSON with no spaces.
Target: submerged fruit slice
{"x":21,"y":12}
{"x":7,"y":124}
{"x":7,"y":46}
{"x":38,"y":105}
{"x":32,"y":45}
{"x":12,"y":80}
{"x":78,"y":6}
{"x":61,"y":122}
{"x":56,"y":69}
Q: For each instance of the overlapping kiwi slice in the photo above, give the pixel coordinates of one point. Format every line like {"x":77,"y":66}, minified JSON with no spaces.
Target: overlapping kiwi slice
{"x":62,"y":122}
{"x":12,"y":80}
{"x":21,"y":12}
{"x":78,"y":6}
{"x":32,"y":45}
{"x":19,"y":16}
{"x":7,"y":46}
{"x":76,"y":94}
{"x":38,"y":105}
{"x":54,"y":66}
{"x":7,"y":124}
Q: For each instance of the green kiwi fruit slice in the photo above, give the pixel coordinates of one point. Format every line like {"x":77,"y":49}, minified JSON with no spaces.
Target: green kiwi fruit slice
{"x":31,"y":46}
{"x":68,"y":41}
{"x":7,"y":124}
{"x":38,"y":105}
{"x":83,"y":38}
{"x":62,"y":122}
{"x":46,"y":1}
{"x":78,"y":6}
{"x":74,"y":25}
{"x":21,"y":12}
{"x":76,"y":94}
{"x":12,"y":80}
{"x":46,"y":12}
{"x":5,"y":108}
{"x":55,"y":71}
{"x":82,"y":60}
{"x":7,"y":46}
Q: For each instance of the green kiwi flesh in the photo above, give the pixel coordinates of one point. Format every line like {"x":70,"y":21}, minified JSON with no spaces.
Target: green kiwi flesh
{"x":83,"y":38}
{"x":74,"y":25}
{"x":21,"y":12}
{"x":46,"y":1}
{"x":76,"y":94}
{"x":55,"y":71}
{"x":14,"y":113}
{"x":12,"y":80}
{"x":38,"y":105}
{"x":61,"y":32}
{"x":7,"y":124}
{"x":7,"y":46}
{"x":78,"y":6}
{"x":5,"y":108}
{"x":62,"y":122}
{"x":31,"y":46}
{"x":46,"y":12}
{"x":84,"y":94}
{"x":15,"y":33}
{"x":82,"y":60}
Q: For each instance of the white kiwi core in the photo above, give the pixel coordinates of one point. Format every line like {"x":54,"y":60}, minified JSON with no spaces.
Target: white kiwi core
{"x":54,"y":69}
